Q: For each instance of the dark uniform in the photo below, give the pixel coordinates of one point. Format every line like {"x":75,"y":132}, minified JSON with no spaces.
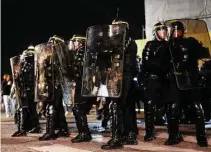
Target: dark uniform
{"x":82,"y":105}
{"x":123,"y":115}
{"x":153,"y":68}
{"x":55,"y":114}
{"x":27,"y":117}
{"x":185,"y":53}
{"x":206,"y":95}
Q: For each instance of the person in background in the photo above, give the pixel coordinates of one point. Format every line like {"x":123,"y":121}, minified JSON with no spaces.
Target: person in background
{"x":3,"y":84}
{"x":6,"y":92}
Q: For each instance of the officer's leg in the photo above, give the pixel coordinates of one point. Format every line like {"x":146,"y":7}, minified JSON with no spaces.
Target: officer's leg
{"x":173,"y":124}
{"x":60,"y":115}
{"x":80,"y":111}
{"x":200,"y":125}
{"x":116,"y":126}
{"x":106,"y":114}
{"x":62,"y":124}
{"x":18,"y":123}
{"x":127,"y":105}
{"x":34,"y":119}
{"x":50,"y":123}
{"x":130,"y":123}
{"x":117,"y":109}
{"x":149,"y":113}
{"x":22,"y":122}
{"x":149,"y":120}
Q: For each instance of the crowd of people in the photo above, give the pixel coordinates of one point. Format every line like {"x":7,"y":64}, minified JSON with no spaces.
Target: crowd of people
{"x":167,"y":78}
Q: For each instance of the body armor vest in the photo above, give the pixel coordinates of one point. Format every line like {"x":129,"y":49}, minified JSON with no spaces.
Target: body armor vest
{"x":152,"y":57}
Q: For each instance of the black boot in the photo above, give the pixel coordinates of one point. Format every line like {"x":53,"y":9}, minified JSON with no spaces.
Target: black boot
{"x":22,"y":122}
{"x":82,"y":137}
{"x":174,"y":137}
{"x":200,"y":126}
{"x":149,"y":121}
{"x":50,"y":125}
{"x":130,"y":139}
{"x":173,"y":125}
{"x":82,"y":125}
{"x":36,"y":129}
{"x":63,"y":133}
{"x":116,"y":141}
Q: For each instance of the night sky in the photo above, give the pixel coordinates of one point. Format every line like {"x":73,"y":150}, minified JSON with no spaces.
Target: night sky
{"x":26,"y":22}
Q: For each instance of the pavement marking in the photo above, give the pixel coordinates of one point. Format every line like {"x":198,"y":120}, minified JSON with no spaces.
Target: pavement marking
{"x":57,"y":148}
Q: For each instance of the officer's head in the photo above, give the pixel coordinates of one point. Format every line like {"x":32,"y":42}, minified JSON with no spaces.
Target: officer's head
{"x":28,"y":54}
{"x":76,"y":42}
{"x":179,"y":29}
{"x":55,"y":40}
{"x":119,"y":21}
{"x":159,"y":31}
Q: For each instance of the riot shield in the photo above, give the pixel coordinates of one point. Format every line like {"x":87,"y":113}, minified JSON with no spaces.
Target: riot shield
{"x":189,"y":54}
{"x":66,"y":59}
{"x":103,"y":61}
{"x":44,"y":72}
{"x":17,"y":79}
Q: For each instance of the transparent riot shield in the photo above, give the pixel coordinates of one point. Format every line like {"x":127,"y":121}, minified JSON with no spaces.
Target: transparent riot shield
{"x":190,"y":53}
{"x":17,"y":79}
{"x":44,"y":72}
{"x":103,"y":61}
{"x":66,"y":59}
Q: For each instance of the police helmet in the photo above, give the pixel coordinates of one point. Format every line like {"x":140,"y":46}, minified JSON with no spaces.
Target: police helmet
{"x":158,"y":26}
{"x":55,"y":39}
{"x":120,"y":21}
{"x":78,"y":38}
{"x":178,"y":25}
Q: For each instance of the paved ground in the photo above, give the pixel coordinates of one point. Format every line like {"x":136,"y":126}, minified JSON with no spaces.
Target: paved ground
{"x":31,"y":143}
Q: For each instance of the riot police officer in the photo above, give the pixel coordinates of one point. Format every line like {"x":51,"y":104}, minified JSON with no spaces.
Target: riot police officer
{"x":183,"y":74}
{"x":123,"y":115}
{"x":54,"y":108}
{"x":27,"y":116}
{"x":82,"y":105}
{"x":152,"y":68}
